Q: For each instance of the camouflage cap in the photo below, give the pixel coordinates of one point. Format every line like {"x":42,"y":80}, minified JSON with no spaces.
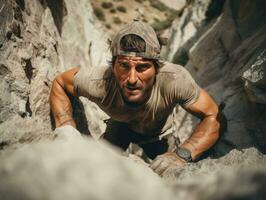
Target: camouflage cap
{"x":143,"y":30}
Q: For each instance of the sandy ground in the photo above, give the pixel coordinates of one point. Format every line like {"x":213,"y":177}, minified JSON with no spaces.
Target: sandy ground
{"x":144,"y":10}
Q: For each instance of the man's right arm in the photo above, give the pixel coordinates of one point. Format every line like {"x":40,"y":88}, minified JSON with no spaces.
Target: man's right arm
{"x":62,"y":87}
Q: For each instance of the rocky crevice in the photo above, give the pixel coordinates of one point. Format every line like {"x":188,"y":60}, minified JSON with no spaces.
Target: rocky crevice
{"x":59,"y":11}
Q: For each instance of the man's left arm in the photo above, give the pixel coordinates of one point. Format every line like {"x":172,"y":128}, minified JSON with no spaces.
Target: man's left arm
{"x":204,"y":136}
{"x":207,"y":131}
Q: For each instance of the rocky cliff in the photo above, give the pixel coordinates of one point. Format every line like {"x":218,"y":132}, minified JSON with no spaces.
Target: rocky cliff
{"x":38,"y":40}
{"x":222,"y":43}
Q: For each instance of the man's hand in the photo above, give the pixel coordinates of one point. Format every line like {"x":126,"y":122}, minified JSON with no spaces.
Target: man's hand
{"x":67,"y":132}
{"x":165,"y":161}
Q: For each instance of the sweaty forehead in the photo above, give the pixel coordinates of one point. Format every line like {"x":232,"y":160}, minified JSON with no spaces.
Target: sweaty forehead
{"x":132,"y":59}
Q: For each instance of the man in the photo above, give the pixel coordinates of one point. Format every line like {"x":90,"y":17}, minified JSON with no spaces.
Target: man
{"x":139,"y":93}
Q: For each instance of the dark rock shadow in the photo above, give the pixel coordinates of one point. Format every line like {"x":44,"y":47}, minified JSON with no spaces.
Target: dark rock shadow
{"x":79,"y":115}
{"x":58,"y":10}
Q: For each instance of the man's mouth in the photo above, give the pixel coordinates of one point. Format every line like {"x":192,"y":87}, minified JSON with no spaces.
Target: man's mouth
{"x":132,"y":89}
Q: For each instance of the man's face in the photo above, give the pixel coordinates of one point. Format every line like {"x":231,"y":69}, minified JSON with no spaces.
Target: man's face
{"x":135,"y":76}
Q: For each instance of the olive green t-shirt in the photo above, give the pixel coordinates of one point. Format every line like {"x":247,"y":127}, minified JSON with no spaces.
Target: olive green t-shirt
{"x":173,"y":85}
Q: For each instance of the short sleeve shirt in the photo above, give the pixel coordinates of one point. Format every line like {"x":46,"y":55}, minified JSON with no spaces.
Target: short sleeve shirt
{"x":173,"y":86}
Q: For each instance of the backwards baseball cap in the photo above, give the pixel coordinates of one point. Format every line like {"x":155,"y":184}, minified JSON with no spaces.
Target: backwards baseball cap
{"x":143,"y":30}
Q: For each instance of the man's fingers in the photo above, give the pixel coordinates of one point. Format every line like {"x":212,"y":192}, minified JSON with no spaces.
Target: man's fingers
{"x":171,"y":171}
{"x":67,"y":132}
{"x":160,"y":164}
{"x":161,"y":168}
{"x":163,"y":162}
{"x":155,"y":163}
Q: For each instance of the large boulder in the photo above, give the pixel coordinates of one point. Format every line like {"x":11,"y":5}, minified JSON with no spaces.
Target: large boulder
{"x":76,"y":167}
{"x":72,"y":167}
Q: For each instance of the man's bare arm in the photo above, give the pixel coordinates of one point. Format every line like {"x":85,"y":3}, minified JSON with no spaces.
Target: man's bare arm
{"x":63,"y":85}
{"x":207,"y":131}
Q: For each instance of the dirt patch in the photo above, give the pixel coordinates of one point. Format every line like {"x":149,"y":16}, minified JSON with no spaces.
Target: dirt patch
{"x":114,"y":14}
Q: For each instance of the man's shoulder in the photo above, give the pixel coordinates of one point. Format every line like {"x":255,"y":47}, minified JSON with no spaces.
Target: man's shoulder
{"x":174,"y":77}
{"x":177,"y":84}
{"x":94,"y":73}
{"x":98,"y":73}
{"x":91,"y":82}
{"x":172,"y":70}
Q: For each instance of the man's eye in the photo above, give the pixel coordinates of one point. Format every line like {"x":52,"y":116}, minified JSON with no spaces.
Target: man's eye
{"x":142,"y":67}
{"x":124,"y":65}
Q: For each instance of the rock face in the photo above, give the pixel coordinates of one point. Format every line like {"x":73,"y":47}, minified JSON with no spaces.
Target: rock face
{"x":38,"y":40}
{"x":238,"y":175}
{"x":255,"y":81}
{"x":184,"y":31}
{"x":226,"y":54}
{"x":78,"y":168}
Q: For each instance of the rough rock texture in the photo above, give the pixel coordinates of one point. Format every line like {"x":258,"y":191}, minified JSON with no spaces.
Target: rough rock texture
{"x":225,"y":51}
{"x":255,"y":79}
{"x":185,"y":29}
{"x":227,"y":57}
{"x":38,"y":40}
{"x":78,"y":168}
{"x":234,"y":176}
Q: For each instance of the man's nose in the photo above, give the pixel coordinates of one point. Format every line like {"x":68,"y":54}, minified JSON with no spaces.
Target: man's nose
{"x":132,"y":78}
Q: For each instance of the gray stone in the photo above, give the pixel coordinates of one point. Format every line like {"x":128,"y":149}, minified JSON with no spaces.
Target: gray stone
{"x":239,"y":174}
{"x":227,"y":59}
{"x":79,"y":168}
{"x":255,"y":80}
{"x":76,"y":168}
{"x":44,"y":40}
{"x":183,"y":30}
{"x":18,"y":130}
